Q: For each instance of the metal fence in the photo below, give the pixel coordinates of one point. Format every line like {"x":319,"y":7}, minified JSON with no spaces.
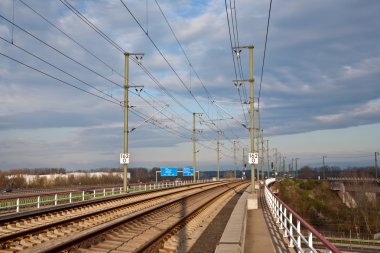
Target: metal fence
{"x":33,"y":201}
{"x":300,"y":234}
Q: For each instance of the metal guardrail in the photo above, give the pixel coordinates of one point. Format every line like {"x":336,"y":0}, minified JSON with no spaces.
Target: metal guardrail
{"x":36,"y":201}
{"x":294,"y":226}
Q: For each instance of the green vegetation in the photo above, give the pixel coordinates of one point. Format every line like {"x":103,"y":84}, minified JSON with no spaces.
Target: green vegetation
{"x":324,"y":210}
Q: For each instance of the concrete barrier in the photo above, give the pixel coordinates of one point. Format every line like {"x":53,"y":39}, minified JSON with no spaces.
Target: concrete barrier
{"x":232,"y":240}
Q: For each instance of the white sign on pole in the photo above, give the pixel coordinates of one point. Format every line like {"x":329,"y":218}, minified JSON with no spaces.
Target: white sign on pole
{"x":253,"y":158}
{"x":124,"y":158}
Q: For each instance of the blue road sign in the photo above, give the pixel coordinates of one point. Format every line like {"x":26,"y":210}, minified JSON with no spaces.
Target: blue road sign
{"x":187,"y":172}
{"x":169,"y":172}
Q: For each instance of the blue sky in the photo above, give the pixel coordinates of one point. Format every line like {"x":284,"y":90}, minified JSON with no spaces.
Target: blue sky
{"x":320,"y":93}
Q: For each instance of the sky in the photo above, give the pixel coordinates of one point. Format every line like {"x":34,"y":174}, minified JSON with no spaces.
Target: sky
{"x":62,"y":71}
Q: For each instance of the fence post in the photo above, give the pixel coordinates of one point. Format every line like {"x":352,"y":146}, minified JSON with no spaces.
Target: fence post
{"x":70,"y":196}
{"x":17,"y":205}
{"x":278,"y":212}
{"x":104,"y":192}
{"x":38,"y":201}
{"x":298,"y":234}
{"x":55,"y":199}
{"x":310,"y":240}
{"x":285,"y":222}
{"x":82,"y":195}
{"x":291,"y":243}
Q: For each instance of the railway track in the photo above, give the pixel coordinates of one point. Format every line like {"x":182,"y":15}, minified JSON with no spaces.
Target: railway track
{"x":77,"y":227}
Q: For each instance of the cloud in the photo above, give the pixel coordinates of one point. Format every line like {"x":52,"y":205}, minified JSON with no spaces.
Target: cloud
{"x":322,"y":72}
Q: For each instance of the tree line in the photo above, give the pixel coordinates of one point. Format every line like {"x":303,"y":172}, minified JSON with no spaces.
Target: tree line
{"x":15,"y":178}
{"x":308,"y":172}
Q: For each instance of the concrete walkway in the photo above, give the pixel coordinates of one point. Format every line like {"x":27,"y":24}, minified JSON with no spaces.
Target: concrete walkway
{"x":262,"y":234}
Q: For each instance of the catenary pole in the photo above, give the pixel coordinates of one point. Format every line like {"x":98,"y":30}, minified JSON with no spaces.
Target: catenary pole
{"x":268,"y":165}
{"x":235,"y":159}
{"x":262,"y":154}
{"x":125,"y":166}
{"x":126,"y":108}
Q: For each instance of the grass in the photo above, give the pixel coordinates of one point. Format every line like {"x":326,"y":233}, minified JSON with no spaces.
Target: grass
{"x":316,"y":203}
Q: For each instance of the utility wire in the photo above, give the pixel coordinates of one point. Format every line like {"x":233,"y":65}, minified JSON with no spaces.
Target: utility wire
{"x":170,"y":108}
{"x":102,"y":34}
{"x":118,"y":47}
{"x":239,"y":62}
{"x":163,"y":56}
{"x":60,"y":80}
{"x":186,"y":56}
{"x":71,"y":38}
{"x":160,"y":111}
{"x":117,"y":102}
{"x":89,"y":23}
{"x":265,"y":49}
{"x":183,"y":51}
{"x":58,"y":51}
{"x":166,"y":60}
{"x":156,"y":123}
{"x":231,"y":44}
{"x":63,"y":71}
{"x":233,"y":58}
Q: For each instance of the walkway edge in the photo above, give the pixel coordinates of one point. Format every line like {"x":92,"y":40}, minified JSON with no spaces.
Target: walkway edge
{"x":233,"y":237}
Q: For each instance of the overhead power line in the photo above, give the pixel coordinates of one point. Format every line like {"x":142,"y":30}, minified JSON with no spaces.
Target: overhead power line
{"x":119,"y":48}
{"x":232,"y":45}
{"x":163,"y":56}
{"x":183,"y":51}
{"x":58,"y":51}
{"x":89,"y":23}
{"x":71,"y":38}
{"x":265,"y":49}
{"x":144,"y":68}
{"x":169,"y":64}
{"x":58,"y":79}
{"x":63,"y":71}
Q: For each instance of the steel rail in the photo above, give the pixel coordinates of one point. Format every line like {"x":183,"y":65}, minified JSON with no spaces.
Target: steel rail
{"x":146,"y":247}
{"x":20,"y":234}
{"x":75,"y":242}
{"x":17,"y":201}
{"x":33,"y":213}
